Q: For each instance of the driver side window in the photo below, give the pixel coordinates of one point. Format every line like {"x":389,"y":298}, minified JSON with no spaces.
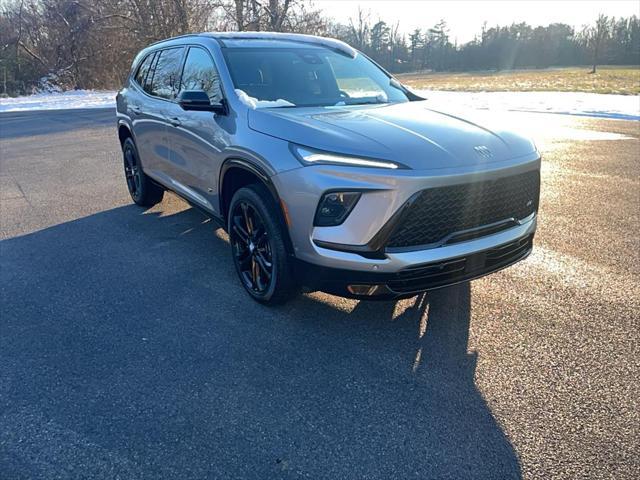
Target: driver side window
{"x":201,"y":74}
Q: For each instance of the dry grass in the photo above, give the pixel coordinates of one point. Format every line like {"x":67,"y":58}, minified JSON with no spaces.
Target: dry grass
{"x":620,"y":80}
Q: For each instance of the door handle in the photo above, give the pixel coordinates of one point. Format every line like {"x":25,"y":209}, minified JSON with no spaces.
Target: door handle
{"x":175,"y":121}
{"x":136,"y":110}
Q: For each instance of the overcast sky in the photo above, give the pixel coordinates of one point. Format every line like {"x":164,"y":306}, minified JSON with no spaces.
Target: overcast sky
{"x":465,"y":17}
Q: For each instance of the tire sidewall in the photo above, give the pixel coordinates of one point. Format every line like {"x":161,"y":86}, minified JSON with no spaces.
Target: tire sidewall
{"x":255,"y":196}
{"x":148,"y":193}
{"x":130,"y":144}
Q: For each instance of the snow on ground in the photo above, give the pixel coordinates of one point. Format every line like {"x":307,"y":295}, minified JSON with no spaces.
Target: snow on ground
{"x":55,"y":101}
{"x":571,"y":103}
{"x":624,"y":107}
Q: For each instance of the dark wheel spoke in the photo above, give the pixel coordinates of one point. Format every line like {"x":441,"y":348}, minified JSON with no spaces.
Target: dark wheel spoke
{"x":265,"y":265}
{"x":252,"y":250}
{"x":143,"y":192}
{"x":239,"y":229}
{"x":247,"y":220}
{"x":255,"y":271}
{"x":131,"y":172}
{"x":128,"y":156}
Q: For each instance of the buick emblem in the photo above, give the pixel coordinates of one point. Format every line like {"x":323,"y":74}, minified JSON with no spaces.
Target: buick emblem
{"x":483,"y":151}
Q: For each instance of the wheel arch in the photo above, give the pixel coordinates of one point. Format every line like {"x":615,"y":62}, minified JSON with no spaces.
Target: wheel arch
{"x":236,"y":173}
{"x":124,"y":132}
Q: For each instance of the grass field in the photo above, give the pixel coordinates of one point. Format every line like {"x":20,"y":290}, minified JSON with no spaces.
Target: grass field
{"x":620,"y":80}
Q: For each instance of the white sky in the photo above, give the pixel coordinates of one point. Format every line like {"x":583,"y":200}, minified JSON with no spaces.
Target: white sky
{"x":465,"y":17}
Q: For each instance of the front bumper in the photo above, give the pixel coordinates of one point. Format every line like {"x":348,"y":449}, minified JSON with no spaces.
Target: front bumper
{"x":355,"y":260}
{"x":349,"y":246}
{"x":374,"y":285}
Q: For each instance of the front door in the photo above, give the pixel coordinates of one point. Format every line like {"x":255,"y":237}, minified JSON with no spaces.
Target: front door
{"x":196,"y":139}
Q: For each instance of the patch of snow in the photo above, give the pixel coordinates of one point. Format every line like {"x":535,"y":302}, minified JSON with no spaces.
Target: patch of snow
{"x":55,"y":101}
{"x":48,"y":84}
{"x":254,"y":103}
{"x":624,"y":107}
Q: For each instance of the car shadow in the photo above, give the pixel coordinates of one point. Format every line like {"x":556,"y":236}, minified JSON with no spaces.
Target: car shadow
{"x":129,"y":348}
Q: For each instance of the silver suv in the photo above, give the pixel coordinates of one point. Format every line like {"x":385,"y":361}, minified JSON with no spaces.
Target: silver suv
{"x":324,"y":170}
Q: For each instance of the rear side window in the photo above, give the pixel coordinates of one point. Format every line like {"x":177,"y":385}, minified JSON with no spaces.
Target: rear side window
{"x":201,"y":74}
{"x":143,"y":69}
{"x":166,"y":74}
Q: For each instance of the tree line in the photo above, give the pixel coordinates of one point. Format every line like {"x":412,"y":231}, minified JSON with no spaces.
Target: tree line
{"x":65,"y":44}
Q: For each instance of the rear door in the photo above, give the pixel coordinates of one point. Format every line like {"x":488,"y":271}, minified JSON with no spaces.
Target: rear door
{"x":140,"y":112}
{"x":196,"y":139}
{"x":161,"y":85}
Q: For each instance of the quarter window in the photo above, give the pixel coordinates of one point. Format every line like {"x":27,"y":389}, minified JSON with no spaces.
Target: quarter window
{"x":166,"y":74}
{"x":201,"y":74}
{"x":143,"y":69}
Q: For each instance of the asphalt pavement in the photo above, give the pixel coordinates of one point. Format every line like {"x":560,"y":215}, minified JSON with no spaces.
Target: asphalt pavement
{"x":128,"y":349}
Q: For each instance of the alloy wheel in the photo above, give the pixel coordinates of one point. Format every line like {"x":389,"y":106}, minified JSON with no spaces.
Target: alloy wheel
{"x":251,"y":248}
{"x":132,"y":171}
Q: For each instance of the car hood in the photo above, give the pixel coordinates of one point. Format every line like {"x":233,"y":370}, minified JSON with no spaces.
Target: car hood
{"x":409,"y":133}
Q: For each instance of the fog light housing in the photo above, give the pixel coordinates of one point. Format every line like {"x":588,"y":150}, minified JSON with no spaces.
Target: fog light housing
{"x":334,"y":208}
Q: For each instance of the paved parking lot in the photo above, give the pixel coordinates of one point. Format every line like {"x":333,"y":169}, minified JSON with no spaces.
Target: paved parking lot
{"x":129,"y":350}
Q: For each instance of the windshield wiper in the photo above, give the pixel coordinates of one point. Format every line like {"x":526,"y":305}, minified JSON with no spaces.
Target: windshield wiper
{"x":368,"y":101}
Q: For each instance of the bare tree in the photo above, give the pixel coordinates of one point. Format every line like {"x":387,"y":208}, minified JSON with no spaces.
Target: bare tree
{"x":360,"y":29}
{"x":595,"y":37}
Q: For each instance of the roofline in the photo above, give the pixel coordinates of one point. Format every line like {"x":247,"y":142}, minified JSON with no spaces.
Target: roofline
{"x":177,"y":37}
{"x":326,"y":42}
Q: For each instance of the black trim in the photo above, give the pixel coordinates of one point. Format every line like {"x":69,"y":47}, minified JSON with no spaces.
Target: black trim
{"x":217,"y":218}
{"x":461,"y":236}
{"x":375,"y":247}
{"x":250,"y":167}
{"x":266,"y":180}
{"x":415,"y":279}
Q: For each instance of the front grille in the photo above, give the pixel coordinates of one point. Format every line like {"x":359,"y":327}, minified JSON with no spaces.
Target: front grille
{"x":460,"y":212}
{"x":439,"y":274}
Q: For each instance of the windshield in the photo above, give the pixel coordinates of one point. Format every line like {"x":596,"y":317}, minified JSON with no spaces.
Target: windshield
{"x":304,"y":77}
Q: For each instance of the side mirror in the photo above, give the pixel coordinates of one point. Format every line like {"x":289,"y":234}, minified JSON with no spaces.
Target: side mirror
{"x":198,"y":100}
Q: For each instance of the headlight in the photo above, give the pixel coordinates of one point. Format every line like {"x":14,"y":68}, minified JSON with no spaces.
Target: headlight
{"x":334,"y":208}
{"x":313,"y":157}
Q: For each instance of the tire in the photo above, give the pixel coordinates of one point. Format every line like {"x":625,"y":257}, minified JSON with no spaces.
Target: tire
{"x":258,"y":247}
{"x":142,"y":189}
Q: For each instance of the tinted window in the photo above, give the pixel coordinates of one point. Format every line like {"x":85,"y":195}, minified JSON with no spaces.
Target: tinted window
{"x":309,"y":77}
{"x":166,"y":74}
{"x":200,"y":74}
{"x":143,"y":69}
{"x":147,"y":83}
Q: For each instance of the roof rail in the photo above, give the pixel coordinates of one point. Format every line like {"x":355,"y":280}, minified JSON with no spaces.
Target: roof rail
{"x":175,"y":38}
{"x":331,"y":43}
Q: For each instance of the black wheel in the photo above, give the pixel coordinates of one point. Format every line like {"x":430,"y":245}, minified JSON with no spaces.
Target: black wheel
{"x":258,"y":247}
{"x":141,"y":188}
